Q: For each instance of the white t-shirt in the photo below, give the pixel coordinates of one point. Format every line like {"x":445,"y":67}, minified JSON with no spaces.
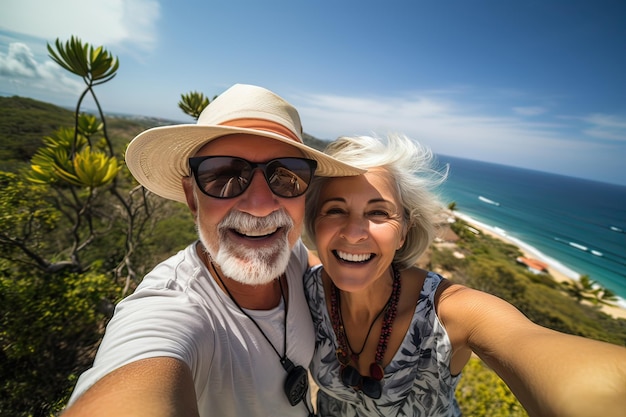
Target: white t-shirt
{"x":179,"y":311}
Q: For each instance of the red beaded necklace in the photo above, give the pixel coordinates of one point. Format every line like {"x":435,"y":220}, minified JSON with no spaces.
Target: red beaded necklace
{"x":345,"y":353}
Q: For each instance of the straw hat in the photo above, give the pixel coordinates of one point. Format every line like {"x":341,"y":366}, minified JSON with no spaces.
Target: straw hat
{"x":158,"y":157}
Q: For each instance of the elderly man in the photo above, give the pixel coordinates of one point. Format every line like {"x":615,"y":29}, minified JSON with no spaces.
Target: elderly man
{"x":221,"y":328}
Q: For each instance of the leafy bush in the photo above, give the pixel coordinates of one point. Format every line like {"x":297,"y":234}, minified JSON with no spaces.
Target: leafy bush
{"x":481,"y":393}
{"x":50,"y":325}
{"x":490,"y":265}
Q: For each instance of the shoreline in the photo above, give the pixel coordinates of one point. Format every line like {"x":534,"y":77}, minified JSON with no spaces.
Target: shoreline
{"x":557,"y":270}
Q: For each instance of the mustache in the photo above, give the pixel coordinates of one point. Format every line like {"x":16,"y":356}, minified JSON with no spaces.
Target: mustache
{"x":244,"y":221}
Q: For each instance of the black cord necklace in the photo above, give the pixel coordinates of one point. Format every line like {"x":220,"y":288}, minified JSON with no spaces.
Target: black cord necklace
{"x":354,"y":353}
{"x":297,"y":382}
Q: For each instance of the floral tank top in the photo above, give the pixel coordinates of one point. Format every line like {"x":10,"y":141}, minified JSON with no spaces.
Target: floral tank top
{"x":417,"y":381}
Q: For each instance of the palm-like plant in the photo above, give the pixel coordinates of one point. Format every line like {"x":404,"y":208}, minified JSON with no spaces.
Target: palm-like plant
{"x":94,"y":65}
{"x":193,"y":103}
{"x":586,"y":289}
{"x":67,"y":159}
{"x":78,"y":164}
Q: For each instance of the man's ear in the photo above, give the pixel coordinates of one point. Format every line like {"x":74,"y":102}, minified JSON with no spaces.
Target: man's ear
{"x":187,"y":184}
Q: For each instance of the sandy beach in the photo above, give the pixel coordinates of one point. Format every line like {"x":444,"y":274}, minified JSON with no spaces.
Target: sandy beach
{"x":559,"y":272}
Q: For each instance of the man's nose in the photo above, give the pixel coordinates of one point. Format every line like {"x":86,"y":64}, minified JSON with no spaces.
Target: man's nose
{"x":258,"y":200}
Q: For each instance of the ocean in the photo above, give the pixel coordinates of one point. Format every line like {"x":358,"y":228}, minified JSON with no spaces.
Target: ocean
{"x":577,"y":226}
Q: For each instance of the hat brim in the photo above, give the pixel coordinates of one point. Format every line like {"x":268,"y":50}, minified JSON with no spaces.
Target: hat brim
{"x":158,"y":157}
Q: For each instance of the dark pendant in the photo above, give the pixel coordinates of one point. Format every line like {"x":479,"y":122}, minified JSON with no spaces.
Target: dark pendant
{"x":376,"y":371}
{"x":296,"y":385}
{"x":297,"y":381}
{"x":350,"y":377}
{"x":372,"y":388}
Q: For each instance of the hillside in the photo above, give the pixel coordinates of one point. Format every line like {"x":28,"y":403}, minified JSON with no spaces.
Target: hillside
{"x":23,"y":124}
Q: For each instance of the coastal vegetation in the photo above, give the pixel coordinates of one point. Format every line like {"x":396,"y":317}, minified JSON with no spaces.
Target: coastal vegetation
{"x":77,"y":234}
{"x":586,"y":289}
{"x":490,"y":265}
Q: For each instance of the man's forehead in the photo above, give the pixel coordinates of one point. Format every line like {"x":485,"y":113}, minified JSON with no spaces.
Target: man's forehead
{"x":245,"y":145}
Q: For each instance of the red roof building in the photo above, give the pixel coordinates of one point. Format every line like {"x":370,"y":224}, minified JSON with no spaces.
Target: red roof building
{"x":533,"y":265}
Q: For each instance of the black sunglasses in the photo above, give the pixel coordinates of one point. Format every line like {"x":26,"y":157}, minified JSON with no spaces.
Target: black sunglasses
{"x":229,"y":177}
{"x":368,"y":385}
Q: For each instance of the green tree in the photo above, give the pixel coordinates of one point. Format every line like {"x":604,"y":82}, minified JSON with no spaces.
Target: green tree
{"x":26,"y":220}
{"x":70,"y":226}
{"x":81,"y":168}
{"x":49,"y":329}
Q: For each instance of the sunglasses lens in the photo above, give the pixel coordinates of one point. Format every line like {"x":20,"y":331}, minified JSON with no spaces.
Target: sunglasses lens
{"x":228,"y":177}
{"x":289,"y":177}
{"x":223,"y":176}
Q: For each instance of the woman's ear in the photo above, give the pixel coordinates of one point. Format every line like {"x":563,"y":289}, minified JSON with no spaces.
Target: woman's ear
{"x":192,"y":202}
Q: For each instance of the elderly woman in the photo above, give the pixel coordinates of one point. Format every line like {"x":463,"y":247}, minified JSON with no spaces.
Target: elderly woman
{"x":392,"y":339}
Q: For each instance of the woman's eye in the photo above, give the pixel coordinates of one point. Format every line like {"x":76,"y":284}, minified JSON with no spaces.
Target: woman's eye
{"x":332,"y":211}
{"x":378,"y":213}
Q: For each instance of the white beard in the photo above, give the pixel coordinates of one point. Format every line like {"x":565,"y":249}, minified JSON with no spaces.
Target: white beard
{"x":250,"y":267}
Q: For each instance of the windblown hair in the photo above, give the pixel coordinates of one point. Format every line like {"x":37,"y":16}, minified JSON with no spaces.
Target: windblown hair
{"x":411,"y":166}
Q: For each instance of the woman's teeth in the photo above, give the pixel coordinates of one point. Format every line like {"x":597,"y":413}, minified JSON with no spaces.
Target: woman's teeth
{"x":353,"y":257}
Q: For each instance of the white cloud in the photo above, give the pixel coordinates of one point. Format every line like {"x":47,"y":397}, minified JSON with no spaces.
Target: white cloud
{"x":109,"y":22}
{"x":607,"y":127}
{"x":19,"y":62}
{"x":444,"y":124}
{"x":20,"y":66}
{"x":455,"y":125}
{"x":450,"y":127}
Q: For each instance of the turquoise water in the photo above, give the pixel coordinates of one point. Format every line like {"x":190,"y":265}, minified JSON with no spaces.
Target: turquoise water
{"x":576,"y":225}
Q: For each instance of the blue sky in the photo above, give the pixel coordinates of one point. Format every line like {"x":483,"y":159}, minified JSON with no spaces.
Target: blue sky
{"x":535,"y":84}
